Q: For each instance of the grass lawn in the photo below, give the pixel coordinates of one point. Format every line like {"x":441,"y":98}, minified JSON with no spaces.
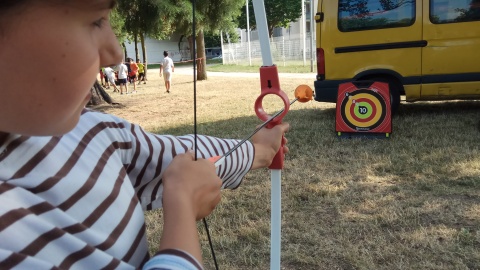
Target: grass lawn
{"x":254,"y":68}
{"x":408,"y":202}
{"x":216,"y":65}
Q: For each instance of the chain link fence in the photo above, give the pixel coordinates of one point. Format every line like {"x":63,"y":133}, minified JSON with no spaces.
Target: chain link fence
{"x":285,"y":51}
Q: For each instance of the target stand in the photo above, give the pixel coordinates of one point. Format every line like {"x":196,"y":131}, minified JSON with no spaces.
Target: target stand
{"x":363,"y":109}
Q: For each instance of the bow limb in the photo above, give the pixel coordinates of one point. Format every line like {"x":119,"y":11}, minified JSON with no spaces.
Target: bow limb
{"x":270,"y":85}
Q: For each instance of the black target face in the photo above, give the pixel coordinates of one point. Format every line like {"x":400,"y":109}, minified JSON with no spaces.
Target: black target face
{"x":363,"y":109}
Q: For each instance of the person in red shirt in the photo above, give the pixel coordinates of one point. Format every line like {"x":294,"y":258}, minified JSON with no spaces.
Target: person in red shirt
{"x":133,"y":74}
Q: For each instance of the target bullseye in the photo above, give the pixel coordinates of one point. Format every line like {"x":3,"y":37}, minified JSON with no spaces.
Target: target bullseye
{"x":363,"y":107}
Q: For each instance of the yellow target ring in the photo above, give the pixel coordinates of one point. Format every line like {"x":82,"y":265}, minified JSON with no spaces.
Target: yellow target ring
{"x":356,"y":101}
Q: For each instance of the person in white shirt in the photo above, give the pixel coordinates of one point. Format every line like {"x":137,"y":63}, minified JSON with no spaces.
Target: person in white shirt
{"x":110,"y":75}
{"x":168,"y":68}
{"x":122,"y":77}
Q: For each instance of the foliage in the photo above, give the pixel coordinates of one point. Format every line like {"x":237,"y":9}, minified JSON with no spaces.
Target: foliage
{"x":362,"y":16}
{"x":145,"y":17}
{"x":356,"y":8}
{"x":279,"y":14}
{"x":393,"y":4}
{"x":470,"y":14}
{"x":213,"y":40}
{"x":359,"y":8}
{"x":211,"y":16}
{"x":117,"y":22}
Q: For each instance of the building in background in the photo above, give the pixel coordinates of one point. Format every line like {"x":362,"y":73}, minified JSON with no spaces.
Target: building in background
{"x":177,"y":46}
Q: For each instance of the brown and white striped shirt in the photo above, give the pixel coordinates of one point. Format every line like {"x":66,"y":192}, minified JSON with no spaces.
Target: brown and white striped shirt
{"x":77,"y":201}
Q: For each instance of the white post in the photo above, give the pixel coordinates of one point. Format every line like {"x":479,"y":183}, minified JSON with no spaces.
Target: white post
{"x":262,"y":28}
{"x":312,"y":32}
{"x":248,"y":36}
{"x":221,"y":42}
{"x":302,"y":33}
{"x":276,"y":219}
{"x":283,"y":49}
{"x":230,"y":53}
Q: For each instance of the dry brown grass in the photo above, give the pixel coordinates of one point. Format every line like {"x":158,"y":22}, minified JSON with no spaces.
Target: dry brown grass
{"x":408,"y":202}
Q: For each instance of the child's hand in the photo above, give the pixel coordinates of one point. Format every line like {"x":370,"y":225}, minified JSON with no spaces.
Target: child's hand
{"x":267,"y":142}
{"x":191,"y":186}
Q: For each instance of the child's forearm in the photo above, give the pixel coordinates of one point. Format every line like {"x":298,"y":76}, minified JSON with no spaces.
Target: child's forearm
{"x":180,"y":229}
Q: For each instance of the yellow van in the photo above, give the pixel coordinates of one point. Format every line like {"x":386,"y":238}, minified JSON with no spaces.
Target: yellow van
{"x":425,"y":50}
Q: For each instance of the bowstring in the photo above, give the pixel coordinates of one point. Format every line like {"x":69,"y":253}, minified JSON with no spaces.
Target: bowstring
{"x":195,"y":118}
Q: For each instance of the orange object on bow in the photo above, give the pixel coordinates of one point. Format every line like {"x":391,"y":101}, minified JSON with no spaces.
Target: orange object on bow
{"x":303,"y":93}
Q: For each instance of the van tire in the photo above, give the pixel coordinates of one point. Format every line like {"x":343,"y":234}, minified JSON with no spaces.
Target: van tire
{"x":395,"y":88}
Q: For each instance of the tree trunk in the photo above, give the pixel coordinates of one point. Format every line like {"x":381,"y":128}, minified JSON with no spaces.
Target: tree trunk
{"x":191,"y":39}
{"x":144,"y":51}
{"x":270,"y":31}
{"x":201,"y":62}
{"x":99,"y":95}
{"x":124,"y":51}
{"x":135,"y":39}
{"x":180,"y":47}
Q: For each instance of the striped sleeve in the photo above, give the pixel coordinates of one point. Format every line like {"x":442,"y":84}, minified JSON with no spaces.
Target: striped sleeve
{"x":34,"y":234}
{"x":172,"y":259}
{"x":150,"y":155}
{"x":76,"y":201}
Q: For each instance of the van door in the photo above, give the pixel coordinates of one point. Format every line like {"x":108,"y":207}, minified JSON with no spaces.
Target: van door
{"x":451,"y":59}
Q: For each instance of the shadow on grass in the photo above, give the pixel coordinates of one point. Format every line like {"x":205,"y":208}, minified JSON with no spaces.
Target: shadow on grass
{"x":409,"y":200}
{"x":438,"y":107}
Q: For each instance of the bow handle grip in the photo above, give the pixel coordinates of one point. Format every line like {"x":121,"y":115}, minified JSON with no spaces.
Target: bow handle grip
{"x":270,"y":85}
{"x":277,"y":162}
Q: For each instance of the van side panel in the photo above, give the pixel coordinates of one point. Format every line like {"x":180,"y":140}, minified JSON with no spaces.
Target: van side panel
{"x":451,"y":60}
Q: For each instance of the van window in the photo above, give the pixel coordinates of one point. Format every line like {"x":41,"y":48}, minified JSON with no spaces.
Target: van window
{"x":452,"y":11}
{"x":358,"y":15}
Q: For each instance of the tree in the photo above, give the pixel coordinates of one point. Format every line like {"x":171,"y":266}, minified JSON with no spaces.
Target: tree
{"x":211,"y":17}
{"x":393,"y":4}
{"x":279,"y":14}
{"x":145,"y":18}
{"x":470,"y":14}
{"x":214,"y":40}
{"x":356,"y":8}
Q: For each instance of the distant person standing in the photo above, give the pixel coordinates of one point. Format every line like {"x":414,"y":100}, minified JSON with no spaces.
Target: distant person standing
{"x":132,"y":75}
{"x":141,"y":72}
{"x":122,"y":77}
{"x":168,"y":68}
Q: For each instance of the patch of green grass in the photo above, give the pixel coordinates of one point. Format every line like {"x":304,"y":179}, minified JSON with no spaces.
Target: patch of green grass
{"x":153,"y":66}
{"x":156,"y":66}
{"x":216,"y":65}
{"x":255,"y":68}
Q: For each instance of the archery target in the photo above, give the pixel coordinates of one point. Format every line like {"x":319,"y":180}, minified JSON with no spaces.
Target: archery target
{"x":363,"y":107}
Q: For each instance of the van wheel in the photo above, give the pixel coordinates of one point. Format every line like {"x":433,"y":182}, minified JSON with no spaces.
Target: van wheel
{"x":395,"y":89}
